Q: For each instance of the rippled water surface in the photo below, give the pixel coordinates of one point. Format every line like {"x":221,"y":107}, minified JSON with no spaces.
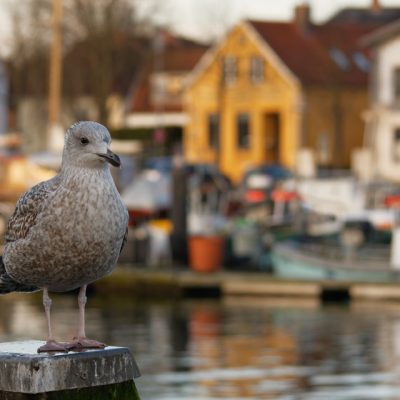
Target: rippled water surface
{"x":235,"y":348}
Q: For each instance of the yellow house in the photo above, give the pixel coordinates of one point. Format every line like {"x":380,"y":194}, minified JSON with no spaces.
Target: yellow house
{"x":270,"y":88}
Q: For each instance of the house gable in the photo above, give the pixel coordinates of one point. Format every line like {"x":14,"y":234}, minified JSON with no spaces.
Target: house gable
{"x":269,"y":54}
{"x":232,"y":43}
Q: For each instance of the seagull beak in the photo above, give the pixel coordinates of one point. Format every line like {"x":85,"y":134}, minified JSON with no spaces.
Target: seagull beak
{"x":111,"y":157}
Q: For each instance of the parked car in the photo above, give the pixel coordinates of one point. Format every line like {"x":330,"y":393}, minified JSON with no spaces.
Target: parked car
{"x":259,"y":182}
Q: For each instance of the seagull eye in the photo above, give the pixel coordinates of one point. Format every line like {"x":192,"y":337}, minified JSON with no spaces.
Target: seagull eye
{"x":84,"y":140}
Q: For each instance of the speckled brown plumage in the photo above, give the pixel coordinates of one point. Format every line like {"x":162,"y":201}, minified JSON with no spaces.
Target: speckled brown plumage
{"x":68,"y":231}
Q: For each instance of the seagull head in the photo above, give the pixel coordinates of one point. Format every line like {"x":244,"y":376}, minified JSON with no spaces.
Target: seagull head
{"x":87,"y":144}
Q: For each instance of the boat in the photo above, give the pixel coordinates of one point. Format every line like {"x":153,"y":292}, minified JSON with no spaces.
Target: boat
{"x":295,"y":259}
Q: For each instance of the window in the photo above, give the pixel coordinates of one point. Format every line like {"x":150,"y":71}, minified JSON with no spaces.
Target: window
{"x":213,"y":131}
{"x":256,"y":69}
{"x":396,"y":145}
{"x":243,"y":131}
{"x":396,"y":84}
{"x":361,"y":61}
{"x":229,"y":69}
{"x":339,"y":58}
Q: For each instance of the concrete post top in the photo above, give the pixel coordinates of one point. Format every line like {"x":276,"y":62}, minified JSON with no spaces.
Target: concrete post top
{"x":23,"y":370}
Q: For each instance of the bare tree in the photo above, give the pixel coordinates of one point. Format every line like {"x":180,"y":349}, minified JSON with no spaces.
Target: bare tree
{"x":100,"y":46}
{"x":29,"y":45}
{"x":106,"y":37}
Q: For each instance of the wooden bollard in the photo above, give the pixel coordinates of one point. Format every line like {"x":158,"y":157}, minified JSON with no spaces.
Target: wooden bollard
{"x":92,"y":374}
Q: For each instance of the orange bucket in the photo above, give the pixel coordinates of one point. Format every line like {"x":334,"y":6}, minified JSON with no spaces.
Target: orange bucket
{"x":205,"y":253}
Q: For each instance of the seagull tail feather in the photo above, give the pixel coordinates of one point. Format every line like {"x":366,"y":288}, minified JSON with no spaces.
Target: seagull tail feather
{"x":8,"y":285}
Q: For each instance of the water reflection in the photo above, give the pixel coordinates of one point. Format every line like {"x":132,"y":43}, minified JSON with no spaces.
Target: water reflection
{"x":235,"y":348}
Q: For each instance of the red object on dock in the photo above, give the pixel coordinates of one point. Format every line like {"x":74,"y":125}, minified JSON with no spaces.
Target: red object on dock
{"x":255,"y":196}
{"x":393,"y":201}
{"x":205,"y":253}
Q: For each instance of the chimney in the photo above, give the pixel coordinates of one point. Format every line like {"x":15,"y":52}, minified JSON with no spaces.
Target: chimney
{"x":376,"y":6}
{"x":302,"y":17}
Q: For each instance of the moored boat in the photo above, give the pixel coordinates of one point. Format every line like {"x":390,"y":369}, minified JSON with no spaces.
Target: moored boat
{"x":316,"y":261}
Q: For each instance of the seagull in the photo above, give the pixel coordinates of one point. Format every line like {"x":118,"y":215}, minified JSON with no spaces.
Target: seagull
{"x":68,"y":231}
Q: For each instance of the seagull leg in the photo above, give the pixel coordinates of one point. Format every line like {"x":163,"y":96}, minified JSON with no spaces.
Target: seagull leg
{"x":51,"y":345}
{"x":81,"y":341}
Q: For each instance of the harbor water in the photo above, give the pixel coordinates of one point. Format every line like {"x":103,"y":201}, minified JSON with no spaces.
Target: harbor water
{"x":234,"y":348}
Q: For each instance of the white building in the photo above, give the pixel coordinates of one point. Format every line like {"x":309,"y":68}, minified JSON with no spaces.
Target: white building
{"x":383,"y":117}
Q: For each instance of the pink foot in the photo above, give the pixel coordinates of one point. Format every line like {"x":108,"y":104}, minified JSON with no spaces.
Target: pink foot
{"x":52,"y":346}
{"x":80,"y":343}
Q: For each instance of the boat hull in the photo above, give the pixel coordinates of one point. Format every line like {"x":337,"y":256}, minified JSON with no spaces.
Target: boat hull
{"x":292,"y":263}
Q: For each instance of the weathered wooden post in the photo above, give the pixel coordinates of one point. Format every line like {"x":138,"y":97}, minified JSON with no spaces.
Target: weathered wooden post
{"x":93,"y":374}
{"x":179,"y":211}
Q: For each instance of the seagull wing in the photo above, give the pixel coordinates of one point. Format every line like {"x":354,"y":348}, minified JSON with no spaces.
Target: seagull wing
{"x":27,"y":209}
{"x":8,"y":285}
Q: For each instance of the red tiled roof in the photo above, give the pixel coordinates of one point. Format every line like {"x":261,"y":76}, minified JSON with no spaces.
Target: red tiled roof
{"x":179,"y":55}
{"x":308,"y":54}
{"x":347,"y":38}
{"x":182,"y":58}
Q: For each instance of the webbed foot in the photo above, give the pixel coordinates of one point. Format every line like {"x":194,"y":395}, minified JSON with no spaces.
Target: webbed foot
{"x":52,"y":346}
{"x":80,"y":343}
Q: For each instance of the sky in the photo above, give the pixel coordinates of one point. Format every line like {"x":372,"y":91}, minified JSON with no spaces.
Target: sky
{"x":206,"y":19}
{"x":201,"y":17}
